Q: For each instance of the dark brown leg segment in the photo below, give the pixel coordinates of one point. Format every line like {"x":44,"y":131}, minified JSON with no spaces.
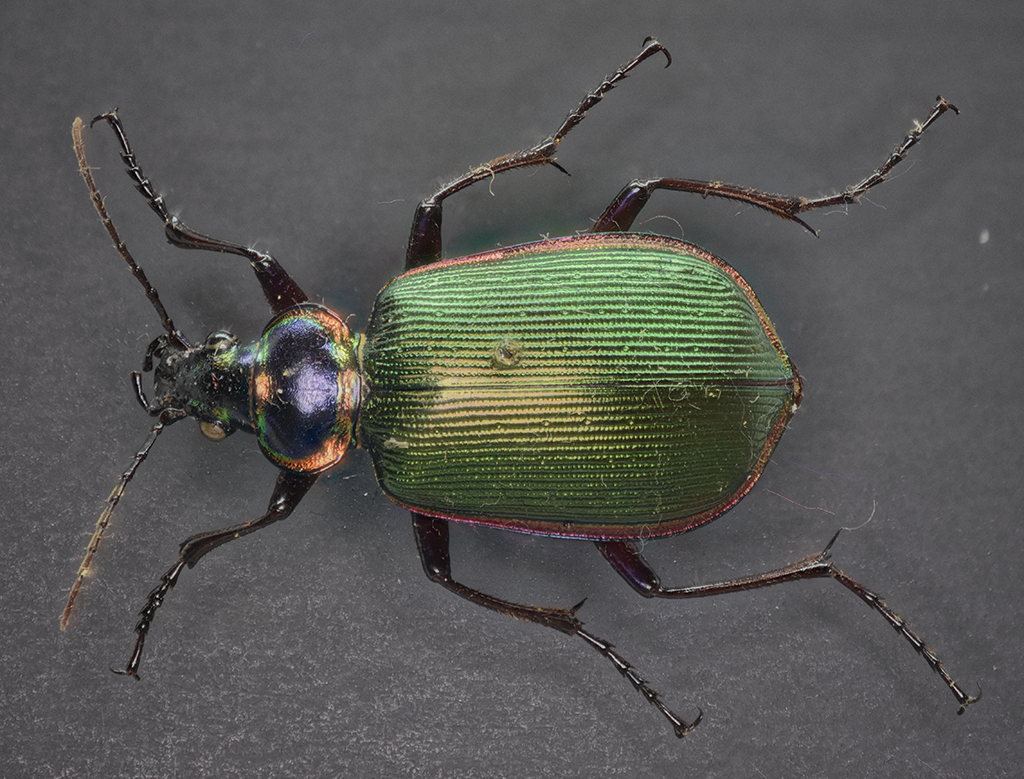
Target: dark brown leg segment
{"x":279,"y":288}
{"x":289,"y":490}
{"x":621,"y":212}
{"x":432,"y":542}
{"x":425,"y":237}
{"x":630,"y":564}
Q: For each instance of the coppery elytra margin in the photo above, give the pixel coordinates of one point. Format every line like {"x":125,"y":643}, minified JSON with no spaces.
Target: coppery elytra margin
{"x":608,"y":386}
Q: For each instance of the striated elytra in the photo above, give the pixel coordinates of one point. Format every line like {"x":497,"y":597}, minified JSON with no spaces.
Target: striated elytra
{"x":645,"y":392}
{"x":608,"y":386}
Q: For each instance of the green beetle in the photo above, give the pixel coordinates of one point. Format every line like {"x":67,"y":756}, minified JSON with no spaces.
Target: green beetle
{"x":631,"y":384}
{"x":608,"y":386}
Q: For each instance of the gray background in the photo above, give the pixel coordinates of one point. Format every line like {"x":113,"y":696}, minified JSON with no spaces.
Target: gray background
{"x":318,"y":648}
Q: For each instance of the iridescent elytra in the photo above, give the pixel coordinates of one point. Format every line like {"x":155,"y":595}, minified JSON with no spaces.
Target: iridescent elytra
{"x":609,"y":386}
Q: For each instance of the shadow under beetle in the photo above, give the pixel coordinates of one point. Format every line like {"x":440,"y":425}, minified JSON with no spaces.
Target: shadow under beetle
{"x":608,"y":386}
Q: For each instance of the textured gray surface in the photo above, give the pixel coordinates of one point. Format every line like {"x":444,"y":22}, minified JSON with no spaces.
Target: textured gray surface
{"x":318,"y":648}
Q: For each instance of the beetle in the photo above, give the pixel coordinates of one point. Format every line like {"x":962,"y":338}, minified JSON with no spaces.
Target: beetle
{"x":609,"y":386}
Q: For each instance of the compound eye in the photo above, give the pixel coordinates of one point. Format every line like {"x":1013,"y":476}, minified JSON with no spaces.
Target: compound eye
{"x":219,"y":341}
{"x":215,"y":431}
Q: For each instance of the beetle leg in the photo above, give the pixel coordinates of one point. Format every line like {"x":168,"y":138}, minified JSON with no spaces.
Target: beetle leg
{"x":631,"y":565}
{"x":279,"y":288}
{"x":425,"y":238}
{"x":621,"y":212}
{"x":432,"y":542}
{"x":289,"y":490}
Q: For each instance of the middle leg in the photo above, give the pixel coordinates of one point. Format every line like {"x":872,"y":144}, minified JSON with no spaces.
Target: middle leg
{"x":425,"y":238}
{"x":432,"y":542}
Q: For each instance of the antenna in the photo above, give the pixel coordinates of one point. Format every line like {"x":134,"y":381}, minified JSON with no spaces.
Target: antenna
{"x":104,"y":521}
{"x":166,"y":416}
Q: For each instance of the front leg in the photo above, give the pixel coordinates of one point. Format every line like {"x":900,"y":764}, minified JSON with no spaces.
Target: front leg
{"x":289,"y":490}
{"x":278,"y":287}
